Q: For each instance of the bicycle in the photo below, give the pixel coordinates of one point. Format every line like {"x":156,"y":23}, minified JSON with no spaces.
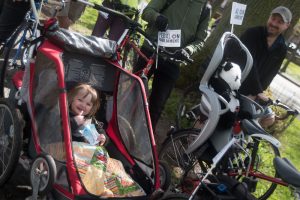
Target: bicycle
{"x":241,"y":152}
{"x":251,"y":164}
{"x":19,"y":47}
{"x":284,"y":116}
{"x":130,"y":56}
{"x":246,"y":158}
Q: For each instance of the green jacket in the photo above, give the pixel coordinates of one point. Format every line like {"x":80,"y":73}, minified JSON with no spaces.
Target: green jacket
{"x":181,"y":14}
{"x":131,"y":3}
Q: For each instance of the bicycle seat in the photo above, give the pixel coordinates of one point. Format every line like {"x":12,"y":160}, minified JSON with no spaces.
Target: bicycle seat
{"x":286,"y":171}
{"x":213,"y":104}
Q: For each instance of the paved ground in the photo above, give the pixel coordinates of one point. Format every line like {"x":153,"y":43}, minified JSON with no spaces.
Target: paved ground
{"x":15,"y":188}
{"x":287,"y":90}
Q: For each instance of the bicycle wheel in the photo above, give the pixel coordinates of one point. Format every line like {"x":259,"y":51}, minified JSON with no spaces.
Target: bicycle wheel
{"x":165,"y":176}
{"x":10,"y":139}
{"x":173,"y":152}
{"x":14,"y":55}
{"x":189,"y":99}
{"x":262,"y":153}
{"x":43,"y":174}
{"x":283,"y":119}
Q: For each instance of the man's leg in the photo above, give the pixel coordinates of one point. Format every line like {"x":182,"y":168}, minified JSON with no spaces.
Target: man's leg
{"x":162,"y":86}
{"x":101,"y":25}
{"x":103,"y":21}
{"x":63,"y":17}
{"x":76,"y":10}
{"x":141,"y":63}
{"x":117,"y":27}
{"x":11,"y":17}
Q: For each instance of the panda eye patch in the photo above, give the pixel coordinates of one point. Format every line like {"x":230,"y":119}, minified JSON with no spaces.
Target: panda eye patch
{"x":228,"y":66}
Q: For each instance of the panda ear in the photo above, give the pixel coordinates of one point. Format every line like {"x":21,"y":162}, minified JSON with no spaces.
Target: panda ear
{"x":224,"y":63}
{"x":228,"y":66}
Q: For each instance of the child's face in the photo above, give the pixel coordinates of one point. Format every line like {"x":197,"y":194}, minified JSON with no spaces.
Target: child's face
{"x":82,"y":103}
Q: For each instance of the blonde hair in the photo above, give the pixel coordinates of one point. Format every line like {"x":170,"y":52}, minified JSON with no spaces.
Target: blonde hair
{"x":88,"y":90}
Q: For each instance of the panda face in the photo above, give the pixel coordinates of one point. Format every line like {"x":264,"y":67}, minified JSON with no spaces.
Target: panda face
{"x":231,"y":74}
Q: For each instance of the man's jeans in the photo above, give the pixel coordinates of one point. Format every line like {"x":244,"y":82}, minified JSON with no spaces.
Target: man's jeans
{"x":162,"y":85}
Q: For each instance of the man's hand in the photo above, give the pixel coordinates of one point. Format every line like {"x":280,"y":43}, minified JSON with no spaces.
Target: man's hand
{"x":263,"y":97}
{"x":161,"y":22}
{"x":183,"y":55}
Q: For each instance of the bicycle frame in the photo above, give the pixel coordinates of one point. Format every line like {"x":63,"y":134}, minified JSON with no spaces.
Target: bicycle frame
{"x":250,"y":170}
{"x":149,"y":61}
{"x":32,"y":17}
{"x":241,"y":170}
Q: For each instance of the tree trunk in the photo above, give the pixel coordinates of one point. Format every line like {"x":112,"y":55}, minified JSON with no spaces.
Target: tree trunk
{"x":257,"y":13}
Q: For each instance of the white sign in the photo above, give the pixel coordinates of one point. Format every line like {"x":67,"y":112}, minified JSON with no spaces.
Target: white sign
{"x":170,"y":38}
{"x":237,"y":13}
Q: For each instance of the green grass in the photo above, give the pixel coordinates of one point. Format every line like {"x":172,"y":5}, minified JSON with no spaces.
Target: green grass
{"x":87,"y":21}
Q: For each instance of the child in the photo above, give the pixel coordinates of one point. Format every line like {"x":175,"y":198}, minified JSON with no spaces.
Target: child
{"x":100,"y":174}
{"x":83,"y":104}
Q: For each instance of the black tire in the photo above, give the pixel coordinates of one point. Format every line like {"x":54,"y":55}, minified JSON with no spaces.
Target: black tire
{"x":13,"y":55}
{"x":165,"y":175}
{"x":191,"y":97}
{"x":263,"y":163}
{"x":173,"y":153}
{"x":43,"y":167}
{"x":11,"y":126}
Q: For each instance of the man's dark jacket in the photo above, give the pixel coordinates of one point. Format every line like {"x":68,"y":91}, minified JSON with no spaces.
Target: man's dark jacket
{"x":266,"y":61}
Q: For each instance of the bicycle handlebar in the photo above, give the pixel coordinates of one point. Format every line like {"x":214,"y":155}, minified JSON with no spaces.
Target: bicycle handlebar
{"x":125,"y":8}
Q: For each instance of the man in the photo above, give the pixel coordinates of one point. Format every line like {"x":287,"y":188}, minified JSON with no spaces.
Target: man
{"x":191,"y":17}
{"x":115,"y":25}
{"x":268,"y":49}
